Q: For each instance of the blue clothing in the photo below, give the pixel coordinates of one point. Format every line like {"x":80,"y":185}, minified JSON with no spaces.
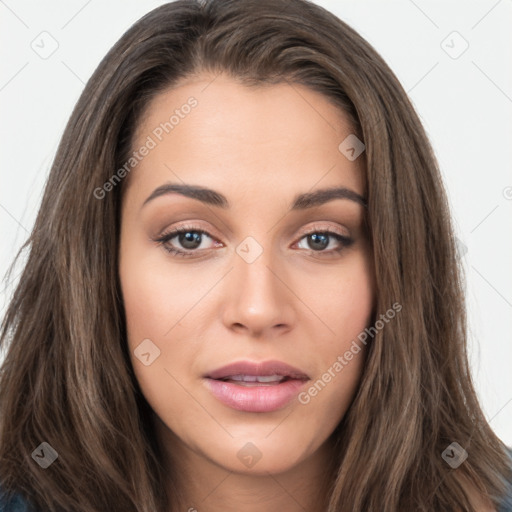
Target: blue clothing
{"x":506,"y":504}
{"x":15,"y":504}
{"x":18,"y":504}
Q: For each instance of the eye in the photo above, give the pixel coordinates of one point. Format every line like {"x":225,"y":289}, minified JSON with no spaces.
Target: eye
{"x":193,"y":240}
{"x":190,"y":238}
{"x":319,"y":240}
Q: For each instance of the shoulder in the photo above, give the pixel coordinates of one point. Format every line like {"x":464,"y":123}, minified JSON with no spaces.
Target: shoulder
{"x":506,"y":504}
{"x":13,"y":503}
{"x":483,"y":504}
{"x":506,"y":501}
{"x":16,"y":503}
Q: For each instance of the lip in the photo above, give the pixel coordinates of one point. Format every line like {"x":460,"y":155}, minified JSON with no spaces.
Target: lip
{"x":256,"y":398}
{"x":263,"y":368}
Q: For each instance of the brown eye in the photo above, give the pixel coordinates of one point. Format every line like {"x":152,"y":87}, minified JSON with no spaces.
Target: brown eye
{"x":190,"y":239}
{"x":318,"y":241}
{"x":184,"y":241}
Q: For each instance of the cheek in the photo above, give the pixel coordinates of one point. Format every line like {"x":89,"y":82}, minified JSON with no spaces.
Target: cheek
{"x":345,"y":303}
{"x":152,"y":313}
{"x":156,"y":302}
{"x":346,"y":308}
{"x":154,"y":298}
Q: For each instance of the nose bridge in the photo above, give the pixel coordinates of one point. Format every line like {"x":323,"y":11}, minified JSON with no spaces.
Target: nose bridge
{"x":252,"y":265}
{"x":257,"y":297}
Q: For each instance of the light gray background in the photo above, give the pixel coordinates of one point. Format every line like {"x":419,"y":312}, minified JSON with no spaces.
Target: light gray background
{"x":465,"y":104}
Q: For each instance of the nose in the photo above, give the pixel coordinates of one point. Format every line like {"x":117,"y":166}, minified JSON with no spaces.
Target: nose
{"x":258,"y":300}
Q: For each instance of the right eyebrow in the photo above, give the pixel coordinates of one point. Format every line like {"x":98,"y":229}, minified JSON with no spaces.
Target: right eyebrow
{"x":203,"y":194}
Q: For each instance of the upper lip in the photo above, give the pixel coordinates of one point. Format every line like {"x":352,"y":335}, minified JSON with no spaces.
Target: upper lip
{"x":262,"y":368}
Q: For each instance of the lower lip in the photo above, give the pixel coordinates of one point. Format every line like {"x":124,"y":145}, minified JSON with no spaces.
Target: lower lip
{"x":265,"y":398}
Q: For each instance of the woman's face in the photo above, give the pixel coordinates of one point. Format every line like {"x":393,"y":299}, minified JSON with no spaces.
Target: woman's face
{"x":256,"y":279}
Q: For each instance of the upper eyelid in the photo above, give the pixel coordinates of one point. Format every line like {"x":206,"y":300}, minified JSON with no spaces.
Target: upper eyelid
{"x":314,"y":228}
{"x":169,"y":235}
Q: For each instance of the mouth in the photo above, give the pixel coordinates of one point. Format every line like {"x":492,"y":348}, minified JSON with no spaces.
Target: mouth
{"x":256,"y":386}
{"x":255,"y":380}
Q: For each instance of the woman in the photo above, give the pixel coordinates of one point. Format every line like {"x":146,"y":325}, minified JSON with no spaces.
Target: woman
{"x":242,"y":289}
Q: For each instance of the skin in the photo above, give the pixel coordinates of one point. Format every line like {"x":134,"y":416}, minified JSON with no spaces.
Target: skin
{"x":259,"y":147}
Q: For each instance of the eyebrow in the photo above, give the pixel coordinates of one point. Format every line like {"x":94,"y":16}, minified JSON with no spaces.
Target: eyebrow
{"x":213,"y":198}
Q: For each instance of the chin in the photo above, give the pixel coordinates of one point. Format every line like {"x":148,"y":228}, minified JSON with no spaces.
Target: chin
{"x":259,"y":456}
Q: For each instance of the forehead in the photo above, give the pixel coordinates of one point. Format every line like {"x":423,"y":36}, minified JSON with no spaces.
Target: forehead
{"x":216,"y":131}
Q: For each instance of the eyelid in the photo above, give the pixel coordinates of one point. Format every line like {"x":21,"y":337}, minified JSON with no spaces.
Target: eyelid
{"x":188,"y":226}
{"x":334,"y":231}
{"x":313,"y":228}
{"x":316,"y":228}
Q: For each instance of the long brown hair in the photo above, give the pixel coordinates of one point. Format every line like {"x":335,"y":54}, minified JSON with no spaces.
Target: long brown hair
{"x":67,"y":379}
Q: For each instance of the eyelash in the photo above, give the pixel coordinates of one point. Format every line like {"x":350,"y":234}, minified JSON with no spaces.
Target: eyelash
{"x":165,"y":238}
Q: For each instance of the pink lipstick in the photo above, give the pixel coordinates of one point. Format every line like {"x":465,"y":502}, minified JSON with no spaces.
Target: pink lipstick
{"x":256,"y":386}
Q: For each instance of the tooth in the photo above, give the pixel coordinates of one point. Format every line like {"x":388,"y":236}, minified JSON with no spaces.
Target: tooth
{"x":270,"y":378}
{"x":243,"y":378}
{"x":253,"y":378}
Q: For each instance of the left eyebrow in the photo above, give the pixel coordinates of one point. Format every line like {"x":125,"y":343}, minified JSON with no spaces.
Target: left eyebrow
{"x":214,"y":198}
{"x":319,"y":197}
